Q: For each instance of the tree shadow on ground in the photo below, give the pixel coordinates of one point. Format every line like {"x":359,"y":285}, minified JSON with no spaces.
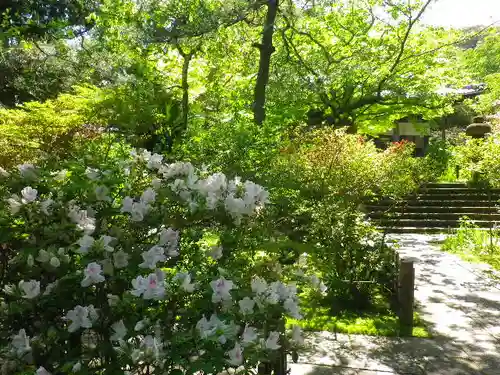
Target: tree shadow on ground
{"x":465,"y":311}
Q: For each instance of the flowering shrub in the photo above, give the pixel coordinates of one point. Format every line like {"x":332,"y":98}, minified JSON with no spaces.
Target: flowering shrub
{"x":137,"y":266}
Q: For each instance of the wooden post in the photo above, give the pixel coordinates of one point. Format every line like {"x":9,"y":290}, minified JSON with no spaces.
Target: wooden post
{"x":406,"y":296}
{"x":396,"y":281}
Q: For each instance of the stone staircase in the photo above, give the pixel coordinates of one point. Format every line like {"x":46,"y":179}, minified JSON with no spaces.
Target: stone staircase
{"x":437,"y":208}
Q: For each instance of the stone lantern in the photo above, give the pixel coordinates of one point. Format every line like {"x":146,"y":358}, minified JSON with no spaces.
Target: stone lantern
{"x":479,"y":128}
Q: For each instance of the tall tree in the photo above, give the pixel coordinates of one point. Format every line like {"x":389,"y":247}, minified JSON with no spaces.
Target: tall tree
{"x":266,"y":49}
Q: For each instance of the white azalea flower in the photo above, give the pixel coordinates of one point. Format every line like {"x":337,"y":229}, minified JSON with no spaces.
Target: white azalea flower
{"x":246,"y":305}
{"x":106,"y":240}
{"x":127,"y":204}
{"x":49,"y":288}
{"x":221,"y":289}
{"x":4,"y":173}
{"x":29,"y":194}
{"x":120,"y":259}
{"x":113,"y":299}
{"x":60,"y":175}
{"x":27,"y":170}
{"x":236,"y":207}
{"x":44,"y":206}
{"x":145,"y":155}
{"x":249,"y":335}
{"x":79,"y":317}
{"x":93,"y":274}
{"x":315,"y":281}
{"x":203,"y":326}
{"x":101,"y":192}
{"x":168,"y":237}
{"x":176,"y":169}
{"x":42,"y":371}
{"x":186,"y":284}
{"x":156,"y":183}
{"x":139,"y":209}
{"x":322,"y":287}
{"x":92,"y":312}
{"x":292,"y":308}
{"x":55,"y":262}
{"x":76,"y":367}
{"x":154,"y":161}
{"x":215,"y":252}
{"x":151,"y":287}
{"x":297,"y":336}
{"x":272,"y":298}
{"x":284,"y":291}
{"x":83,"y":220}
{"x":119,"y":331}
{"x":152,"y":346}
{"x":272,"y":341}
{"x":14,"y":204}
{"x":259,"y":285}
{"x":235,"y":355}
{"x":30,"y":288}
{"x":152,"y":256}
{"x":141,"y":324}
{"x":43,"y":256}
{"x":21,"y":343}
{"x":86,"y":242}
{"x":92,"y":173}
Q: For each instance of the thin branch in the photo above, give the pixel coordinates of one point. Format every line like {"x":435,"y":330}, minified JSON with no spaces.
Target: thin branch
{"x":411,"y":23}
{"x":461,"y":40}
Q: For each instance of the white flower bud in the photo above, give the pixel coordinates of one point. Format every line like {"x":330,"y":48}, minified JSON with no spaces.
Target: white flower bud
{"x":30,"y":261}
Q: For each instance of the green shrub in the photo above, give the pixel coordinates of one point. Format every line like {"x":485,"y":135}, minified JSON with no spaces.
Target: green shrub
{"x":31,"y":130}
{"x":479,"y":160}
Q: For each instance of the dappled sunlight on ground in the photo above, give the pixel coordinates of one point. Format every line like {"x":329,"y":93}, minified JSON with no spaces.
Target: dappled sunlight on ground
{"x":457,"y":300}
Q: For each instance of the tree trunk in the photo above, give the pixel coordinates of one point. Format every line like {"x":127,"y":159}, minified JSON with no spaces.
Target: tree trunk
{"x":266,"y":50}
{"x":185,"y":89}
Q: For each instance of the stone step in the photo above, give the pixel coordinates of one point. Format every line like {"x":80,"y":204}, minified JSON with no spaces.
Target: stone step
{"x":457,"y":190}
{"x":460,"y":196}
{"x":445,"y":184}
{"x":416,"y":230}
{"x":429,"y":223}
{"x":435,"y":215}
{"x":450,"y":203}
{"x":434,"y":209}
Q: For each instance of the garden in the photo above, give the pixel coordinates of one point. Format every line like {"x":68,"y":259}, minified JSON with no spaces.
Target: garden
{"x":183,"y":185}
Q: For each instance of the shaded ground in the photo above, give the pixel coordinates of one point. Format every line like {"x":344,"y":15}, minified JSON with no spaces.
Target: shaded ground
{"x":461,"y":306}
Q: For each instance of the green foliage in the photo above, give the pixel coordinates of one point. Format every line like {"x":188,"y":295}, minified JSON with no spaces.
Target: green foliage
{"x":139,"y":111}
{"x":29,"y":73}
{"x":35,"y":129}
{"x":35,"y":19}
{"x":474,"y":244}
{"x":484,"y":59}
{"x":143,"y":111}
{"x":478,"y":160}
{"x":488,"y":102}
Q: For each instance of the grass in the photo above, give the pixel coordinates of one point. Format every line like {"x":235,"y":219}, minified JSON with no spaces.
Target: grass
{"x":475,"y":245}
{"x":379,"y":321}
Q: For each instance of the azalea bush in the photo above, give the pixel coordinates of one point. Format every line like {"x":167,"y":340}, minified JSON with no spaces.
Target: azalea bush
{"x":120,"y":262}
{"x":321,"y":180}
